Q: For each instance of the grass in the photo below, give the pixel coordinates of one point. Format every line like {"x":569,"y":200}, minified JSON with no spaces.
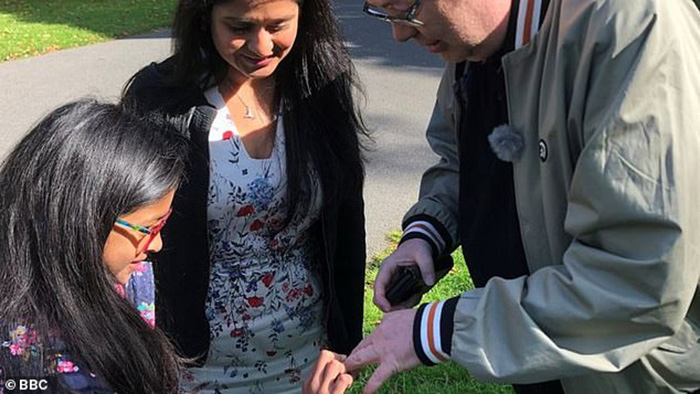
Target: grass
{"x":448,"y":378}
{"x":33,"y":27}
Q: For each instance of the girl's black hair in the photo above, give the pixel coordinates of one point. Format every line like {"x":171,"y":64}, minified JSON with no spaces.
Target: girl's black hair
{"x":63,"y":186}
{"x":316,"y":84}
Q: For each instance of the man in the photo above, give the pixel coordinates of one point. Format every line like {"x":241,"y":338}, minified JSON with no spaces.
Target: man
{"x":568,"y":135}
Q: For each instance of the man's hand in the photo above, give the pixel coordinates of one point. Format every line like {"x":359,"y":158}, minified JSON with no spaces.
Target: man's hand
{"x":390,"y":346}
{"x":414,"y":251}
{"x":328,"y":375}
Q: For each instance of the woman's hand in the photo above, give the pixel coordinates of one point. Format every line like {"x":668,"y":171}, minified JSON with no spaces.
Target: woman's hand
{"x":328,"y":375}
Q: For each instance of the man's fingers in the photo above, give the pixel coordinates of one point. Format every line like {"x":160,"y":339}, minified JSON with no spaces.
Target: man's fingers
{"x":361,"y":356}
{"x":381,"y":302}
{"x":410,"y":303}
{"x":380,"y":284}
{"x":379,"y":376}
{"x":427,"y":271}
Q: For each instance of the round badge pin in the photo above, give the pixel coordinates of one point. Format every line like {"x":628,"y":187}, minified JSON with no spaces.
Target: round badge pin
{"x":544,"y":152}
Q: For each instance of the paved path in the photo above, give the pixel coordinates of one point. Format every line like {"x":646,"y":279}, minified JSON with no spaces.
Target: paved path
{"x":400,"y":83}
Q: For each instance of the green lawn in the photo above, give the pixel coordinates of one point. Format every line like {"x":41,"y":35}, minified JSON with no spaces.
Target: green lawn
{"x":33,"y":27}
{"x":447,"y":378}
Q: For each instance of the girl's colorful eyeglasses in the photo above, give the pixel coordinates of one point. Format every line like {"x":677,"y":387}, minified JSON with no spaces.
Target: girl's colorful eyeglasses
{"x":151,"y":231}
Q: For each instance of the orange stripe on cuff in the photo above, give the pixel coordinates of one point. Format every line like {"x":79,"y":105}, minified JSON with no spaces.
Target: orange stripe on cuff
{"x":431,"y":334}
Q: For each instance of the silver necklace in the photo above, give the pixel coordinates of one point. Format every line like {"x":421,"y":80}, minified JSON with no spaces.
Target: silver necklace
{"x":249,"y":112}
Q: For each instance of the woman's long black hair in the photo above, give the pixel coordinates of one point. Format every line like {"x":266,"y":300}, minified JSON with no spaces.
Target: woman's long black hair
{"x":63,"y":186}
{"x":316,"y":83}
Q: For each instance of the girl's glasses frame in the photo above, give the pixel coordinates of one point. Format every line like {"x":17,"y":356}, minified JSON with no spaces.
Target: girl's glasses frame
{"x":151,"y":231}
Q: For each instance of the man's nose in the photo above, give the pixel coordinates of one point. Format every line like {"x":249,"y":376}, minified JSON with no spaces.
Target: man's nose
{"x":402,"y":32}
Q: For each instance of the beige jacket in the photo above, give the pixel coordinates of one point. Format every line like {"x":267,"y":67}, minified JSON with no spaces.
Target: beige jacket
{"x":607,"y":97}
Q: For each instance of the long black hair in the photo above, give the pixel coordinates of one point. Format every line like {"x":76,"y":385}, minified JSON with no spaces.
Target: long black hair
{"x":316,"y":83}
{"x":63,"y":186}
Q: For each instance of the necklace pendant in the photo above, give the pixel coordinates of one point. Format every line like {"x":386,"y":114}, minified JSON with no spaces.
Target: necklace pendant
{"x":248,"y":113}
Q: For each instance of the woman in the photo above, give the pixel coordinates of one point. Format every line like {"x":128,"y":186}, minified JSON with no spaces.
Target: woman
{"x":84,"y":196}
{"x":267,"y":258}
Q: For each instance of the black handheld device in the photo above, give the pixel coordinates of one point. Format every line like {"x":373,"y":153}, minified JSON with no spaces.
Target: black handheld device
{"x":407,"y":281}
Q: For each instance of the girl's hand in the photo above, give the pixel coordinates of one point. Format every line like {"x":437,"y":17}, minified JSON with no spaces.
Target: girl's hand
{"x":328,"y":375}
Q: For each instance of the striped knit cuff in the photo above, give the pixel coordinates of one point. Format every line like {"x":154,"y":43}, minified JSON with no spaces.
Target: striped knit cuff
{"x":432,"y":331}
{"x":429,"y":230}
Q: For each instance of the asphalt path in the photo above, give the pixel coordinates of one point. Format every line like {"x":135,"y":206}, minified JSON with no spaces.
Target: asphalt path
{"x":399,"y":82}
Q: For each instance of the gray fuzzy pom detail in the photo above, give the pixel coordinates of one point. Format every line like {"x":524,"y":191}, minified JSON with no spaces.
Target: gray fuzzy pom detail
{"x":506,"y":142}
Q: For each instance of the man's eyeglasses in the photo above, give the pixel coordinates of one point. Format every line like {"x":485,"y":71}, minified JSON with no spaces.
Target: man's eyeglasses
{"x":152,"y":231}
{"x":408,"y":19}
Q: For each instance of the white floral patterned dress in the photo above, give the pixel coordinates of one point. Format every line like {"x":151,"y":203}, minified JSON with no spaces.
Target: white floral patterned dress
{"x":264,"y":303}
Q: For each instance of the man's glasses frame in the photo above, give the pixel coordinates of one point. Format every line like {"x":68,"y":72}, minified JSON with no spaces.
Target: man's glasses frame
{"x":151,"y":231}
{"x":408,"y":19}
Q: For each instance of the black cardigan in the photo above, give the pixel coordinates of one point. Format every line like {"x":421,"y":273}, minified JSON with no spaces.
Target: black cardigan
{"x":182,"y":267}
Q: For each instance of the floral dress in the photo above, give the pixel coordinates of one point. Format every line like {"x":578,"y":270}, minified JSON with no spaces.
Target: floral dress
{"x":22,"y":347}
{"x":264,"y":302}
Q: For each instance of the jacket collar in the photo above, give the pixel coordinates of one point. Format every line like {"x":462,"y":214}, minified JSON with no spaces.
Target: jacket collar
{"x":530,"y":15}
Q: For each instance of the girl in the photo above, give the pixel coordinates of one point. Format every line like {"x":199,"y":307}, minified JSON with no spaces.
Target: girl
{"x":84,"y":196}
